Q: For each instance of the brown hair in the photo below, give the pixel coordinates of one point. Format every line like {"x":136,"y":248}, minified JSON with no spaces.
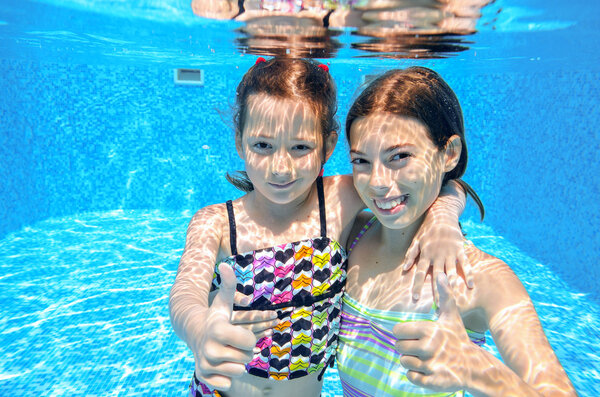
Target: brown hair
{"x":422,"y":94}
{"x":286,"y":78}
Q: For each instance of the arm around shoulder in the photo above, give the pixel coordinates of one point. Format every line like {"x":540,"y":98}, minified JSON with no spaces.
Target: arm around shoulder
{"x":342,"y":187}
{"x":343,"y":203}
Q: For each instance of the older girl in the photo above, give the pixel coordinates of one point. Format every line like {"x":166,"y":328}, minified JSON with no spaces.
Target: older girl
{"x":407,"y":140}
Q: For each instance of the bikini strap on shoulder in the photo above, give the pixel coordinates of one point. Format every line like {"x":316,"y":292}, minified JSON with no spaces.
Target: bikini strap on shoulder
{"x":361,"y":233}
{"x":232,"y":233}
{"x":321,"y":195}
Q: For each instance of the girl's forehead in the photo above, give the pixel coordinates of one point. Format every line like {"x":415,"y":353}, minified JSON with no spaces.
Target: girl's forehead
{"x":270,"y":115}
{"x":388,"y":128}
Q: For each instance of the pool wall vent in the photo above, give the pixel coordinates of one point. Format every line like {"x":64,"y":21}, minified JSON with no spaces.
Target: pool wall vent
{"x":189,"y":76}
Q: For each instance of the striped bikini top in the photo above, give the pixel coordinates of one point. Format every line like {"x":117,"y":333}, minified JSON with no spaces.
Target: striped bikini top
{"x":303,"y":282}
{"x":367,"y":361}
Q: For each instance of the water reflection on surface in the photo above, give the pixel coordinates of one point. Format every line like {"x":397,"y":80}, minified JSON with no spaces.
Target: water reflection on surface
{"x":383,"y":28}
{"x":282,"y":35}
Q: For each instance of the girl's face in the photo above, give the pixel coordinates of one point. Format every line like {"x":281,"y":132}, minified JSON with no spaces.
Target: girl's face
{"x":397,"y":169}
{"x":281,"y":145}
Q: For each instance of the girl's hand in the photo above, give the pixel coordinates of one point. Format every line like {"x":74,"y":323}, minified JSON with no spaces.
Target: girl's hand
{"x":437,"y":354}
{"x":260,"y":322}
{"x":223,"y":348}
{"x":439,"y":244}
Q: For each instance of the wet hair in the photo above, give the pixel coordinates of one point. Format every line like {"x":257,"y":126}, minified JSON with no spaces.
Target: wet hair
{"x":286,"y":78}
{"x":422,"y":94}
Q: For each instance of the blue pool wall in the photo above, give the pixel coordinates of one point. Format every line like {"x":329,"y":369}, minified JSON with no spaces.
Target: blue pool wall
{"x":77,"y":138}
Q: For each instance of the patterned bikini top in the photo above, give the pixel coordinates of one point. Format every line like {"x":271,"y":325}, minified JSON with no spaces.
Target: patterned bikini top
{"x":303,"y":282}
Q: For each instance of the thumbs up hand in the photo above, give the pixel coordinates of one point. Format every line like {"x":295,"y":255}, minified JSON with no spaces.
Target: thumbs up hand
{"x":223,"y":348}
{"x":438,"y":355}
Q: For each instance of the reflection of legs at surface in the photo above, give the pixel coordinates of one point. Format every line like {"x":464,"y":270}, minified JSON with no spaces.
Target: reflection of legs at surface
{"x":216,"y":9}
{"x":307,"y":28}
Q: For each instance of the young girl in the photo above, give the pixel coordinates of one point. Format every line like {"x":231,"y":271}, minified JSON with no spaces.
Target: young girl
{"x":276,"y":312}
{"x":406,"y":138}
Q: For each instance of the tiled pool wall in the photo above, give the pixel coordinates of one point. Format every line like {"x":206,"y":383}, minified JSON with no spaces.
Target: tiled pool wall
{"x":77,"y":138}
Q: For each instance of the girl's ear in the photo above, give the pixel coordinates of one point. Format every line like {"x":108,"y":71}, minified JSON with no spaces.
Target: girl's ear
{"x":452,"y":153}
{"x":330,"y":141}
{"x":238,"y":145}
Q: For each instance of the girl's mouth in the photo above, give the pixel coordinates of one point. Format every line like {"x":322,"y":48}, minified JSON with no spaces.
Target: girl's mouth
{"x":393,"y":206}
{"x":281,"y":185}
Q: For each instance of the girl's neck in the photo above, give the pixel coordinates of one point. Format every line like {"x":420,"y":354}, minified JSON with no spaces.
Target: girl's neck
{"x":397,"y":241}
{"x":259,"y":206}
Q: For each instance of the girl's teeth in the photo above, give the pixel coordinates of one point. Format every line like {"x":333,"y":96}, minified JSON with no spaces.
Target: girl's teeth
{"x":386,"y":205}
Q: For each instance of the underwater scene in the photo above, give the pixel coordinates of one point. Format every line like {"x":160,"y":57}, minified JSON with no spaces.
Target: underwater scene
{"x":116,"y":127}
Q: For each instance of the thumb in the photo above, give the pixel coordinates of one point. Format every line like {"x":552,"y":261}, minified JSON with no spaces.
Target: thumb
{"x":447,"y":308}
{"x":223,"y":301}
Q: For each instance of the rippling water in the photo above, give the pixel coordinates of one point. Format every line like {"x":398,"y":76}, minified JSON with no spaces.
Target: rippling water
{"x":88,"y":307}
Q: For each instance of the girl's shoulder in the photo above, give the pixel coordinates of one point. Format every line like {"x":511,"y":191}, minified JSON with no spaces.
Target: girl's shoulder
{"x":496,"y":284}
{"x":339,"y":182}
{"x":488,"y":267}
{"x":210,"y":219}
{"x":207,"y":234}
{"x":213,"y":212}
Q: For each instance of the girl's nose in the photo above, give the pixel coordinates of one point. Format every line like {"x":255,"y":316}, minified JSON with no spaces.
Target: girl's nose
{"x":282,"y":164}
{"x":380,"y":180}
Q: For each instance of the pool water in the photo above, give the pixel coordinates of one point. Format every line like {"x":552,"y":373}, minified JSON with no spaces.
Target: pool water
{"x":103,"y":161}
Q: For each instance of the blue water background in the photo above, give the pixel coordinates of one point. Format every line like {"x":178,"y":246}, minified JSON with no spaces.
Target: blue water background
{"x":103,"y":160}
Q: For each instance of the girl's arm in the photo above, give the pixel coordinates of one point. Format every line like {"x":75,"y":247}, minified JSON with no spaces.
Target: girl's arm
{"x":343,"y":206}
{"x":439,"y":355}
{"x":220,"y":348}
{"x":518,"y":335}
{"x":439,"y":243}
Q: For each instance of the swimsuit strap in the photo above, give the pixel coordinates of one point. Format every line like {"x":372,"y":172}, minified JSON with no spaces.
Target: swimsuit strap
{"x":361,"y":233}
{"x":321,"y":195}
{"x":232,"y":234}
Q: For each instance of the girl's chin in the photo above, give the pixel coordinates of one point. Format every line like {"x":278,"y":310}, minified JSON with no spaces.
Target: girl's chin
{"x":282,"y":197}
{"x":400,"y":220}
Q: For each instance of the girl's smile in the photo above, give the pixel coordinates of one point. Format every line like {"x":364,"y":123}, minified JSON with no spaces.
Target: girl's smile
{"x":282,"y":186}
{"x":391,"y":206}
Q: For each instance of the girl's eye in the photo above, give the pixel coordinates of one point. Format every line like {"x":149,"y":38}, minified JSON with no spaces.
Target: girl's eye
{"x":400,"y":156}
{"x":301,"y":147}
{"x":358,"y":161}
{"x":262,"y":145}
